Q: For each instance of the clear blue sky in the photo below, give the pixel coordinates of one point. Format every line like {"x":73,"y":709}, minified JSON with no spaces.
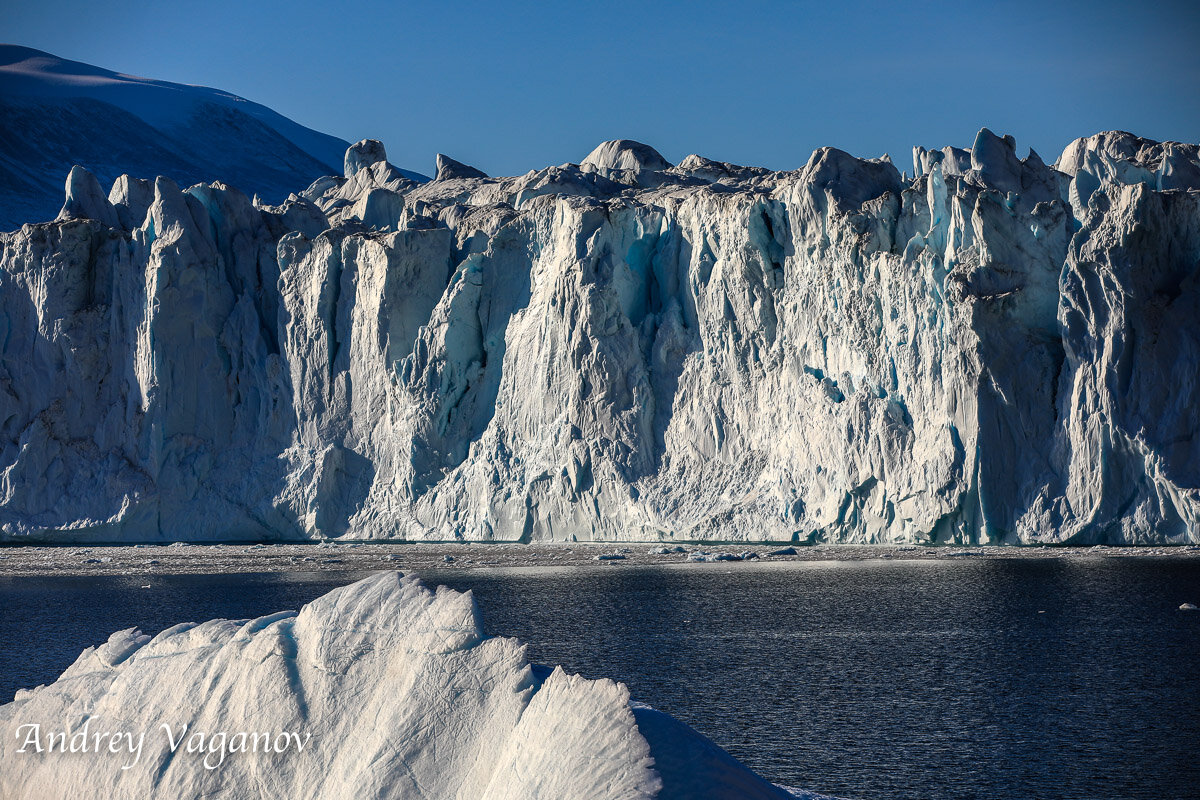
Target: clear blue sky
{"x":513,"y":86}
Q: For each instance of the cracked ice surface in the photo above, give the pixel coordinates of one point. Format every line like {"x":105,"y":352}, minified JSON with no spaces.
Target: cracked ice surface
{"x":396,"y":692}
{"x":995,"y":351}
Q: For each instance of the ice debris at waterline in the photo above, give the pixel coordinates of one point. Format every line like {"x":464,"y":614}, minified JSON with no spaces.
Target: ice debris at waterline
{"x":390,"y":690}
{"x":992,"y":350}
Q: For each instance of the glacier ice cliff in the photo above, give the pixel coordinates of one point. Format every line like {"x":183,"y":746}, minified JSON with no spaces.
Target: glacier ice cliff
{"x":993,"y":350}
{"x":392,"y":690}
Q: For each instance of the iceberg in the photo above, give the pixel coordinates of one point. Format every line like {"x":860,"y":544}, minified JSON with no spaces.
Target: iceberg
{"x":384,"y":688}
{"x":995,"y":351}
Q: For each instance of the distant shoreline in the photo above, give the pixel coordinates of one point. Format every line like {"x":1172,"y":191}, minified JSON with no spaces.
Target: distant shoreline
{"x":205,"y":559}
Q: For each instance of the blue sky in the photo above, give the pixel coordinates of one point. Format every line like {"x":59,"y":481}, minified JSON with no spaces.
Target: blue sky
{"x":513,"y":86}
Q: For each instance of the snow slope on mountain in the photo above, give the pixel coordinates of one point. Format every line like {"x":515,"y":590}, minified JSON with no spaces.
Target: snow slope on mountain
{"x":393,"y":690}
{"x":994,"y":351}
{"x":56,"y":113}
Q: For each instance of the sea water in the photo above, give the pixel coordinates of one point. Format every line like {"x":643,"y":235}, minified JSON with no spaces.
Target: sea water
{"x":978,"y":677}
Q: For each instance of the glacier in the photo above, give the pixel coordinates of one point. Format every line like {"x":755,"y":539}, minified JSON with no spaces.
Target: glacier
{"x":991,"y":350}
{"x":383,"y":688}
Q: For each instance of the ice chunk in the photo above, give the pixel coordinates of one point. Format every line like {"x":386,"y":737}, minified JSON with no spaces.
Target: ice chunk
{"x":86,"y":200}
{"x":625,"y":154}
{"x":131,"y":197}
{"x":995,"y":158}
{"x":363,"y":155}
{"x":448,"y":169}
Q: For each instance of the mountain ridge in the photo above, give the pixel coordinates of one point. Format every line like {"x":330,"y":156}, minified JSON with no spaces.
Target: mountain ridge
{"x":56,"y":113}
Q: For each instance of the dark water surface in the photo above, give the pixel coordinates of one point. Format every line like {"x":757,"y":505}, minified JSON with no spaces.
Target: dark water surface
{"x":873,"y":680}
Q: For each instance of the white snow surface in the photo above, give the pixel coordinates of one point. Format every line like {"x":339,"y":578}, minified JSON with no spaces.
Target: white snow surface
{"x":995,"y":351}
{"x":395,"y":692}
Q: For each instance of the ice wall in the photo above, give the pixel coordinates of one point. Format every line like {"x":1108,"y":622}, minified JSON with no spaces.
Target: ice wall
{"x":995,"y":351}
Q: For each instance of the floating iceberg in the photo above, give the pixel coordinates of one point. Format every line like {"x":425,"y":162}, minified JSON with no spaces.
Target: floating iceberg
{"x":381,"y":689}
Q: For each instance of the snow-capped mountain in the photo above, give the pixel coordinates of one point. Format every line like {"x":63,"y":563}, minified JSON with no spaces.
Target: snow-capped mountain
{"x":992,"y":350}
{"x":56,"y":113}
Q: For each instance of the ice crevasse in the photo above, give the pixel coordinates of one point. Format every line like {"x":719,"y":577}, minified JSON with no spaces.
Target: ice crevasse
{"x":993,"y":350}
